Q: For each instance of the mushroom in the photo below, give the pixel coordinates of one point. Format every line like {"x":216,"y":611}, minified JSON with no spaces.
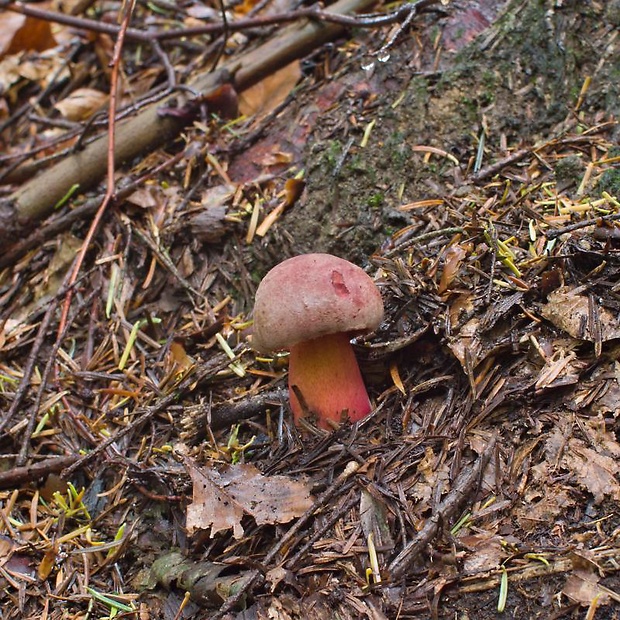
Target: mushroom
{"x":312,"y":305}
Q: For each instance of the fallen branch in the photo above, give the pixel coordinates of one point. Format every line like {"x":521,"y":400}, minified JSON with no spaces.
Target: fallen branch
{"x":16,"y":476}
{"x":403,"y":13}
{"x":160,"y":123}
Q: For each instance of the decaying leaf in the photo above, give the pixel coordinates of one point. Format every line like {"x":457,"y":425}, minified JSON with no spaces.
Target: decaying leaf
{"x":433,"y":474}
{"x":486,"y":551}
{"x":455,"y":255}
{"x":582,"y":586}
{"x":374,"y":519}
{"x":467,"y":346}
{"x":268,"y":94}
{"x":144,"y":197}
{"x":18,"y":33}
{"x":560,"y":370}
{"x":223,"y":494}
{"x":203,"y":580}
{"x":595,"y":470}
{"x":570,"y":311}
{"x":81,"y":104}
{"x":541,"y":506}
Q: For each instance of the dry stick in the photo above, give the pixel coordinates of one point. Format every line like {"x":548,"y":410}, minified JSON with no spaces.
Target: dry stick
{"x":558,"y":232}
{"x":338,"y":514}
{"x":49,"y":366}
{"x":116,"y":63}
{"x":256,"y":576}
{"x":52,"y":228}
{"x":404,"y":12}
{"x":433,"y":234}
{"x":492,"y":169}
{"x":153,"y":126}
{"x":29,"y":473}
{"x":464,"y":487}
{"x":24,"y":383}
{"x":196,"y":419}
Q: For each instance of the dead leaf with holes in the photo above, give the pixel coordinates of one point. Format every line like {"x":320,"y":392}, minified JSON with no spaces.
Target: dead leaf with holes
{"x":223,"y":494}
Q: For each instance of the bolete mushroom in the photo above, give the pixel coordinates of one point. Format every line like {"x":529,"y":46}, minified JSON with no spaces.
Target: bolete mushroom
{"x":312,"y":305}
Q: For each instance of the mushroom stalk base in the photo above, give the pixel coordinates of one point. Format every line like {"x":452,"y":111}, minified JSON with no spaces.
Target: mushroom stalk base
{"x":325,"y":373}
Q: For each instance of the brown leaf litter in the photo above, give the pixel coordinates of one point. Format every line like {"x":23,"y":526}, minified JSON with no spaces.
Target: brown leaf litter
{"x":488,"y":469}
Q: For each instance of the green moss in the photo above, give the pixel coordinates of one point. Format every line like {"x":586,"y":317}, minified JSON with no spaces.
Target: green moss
{"x":398,"y":152}
{"x":610,"y":182}
{"x":376,"y":200}
{"x":333,"y":153}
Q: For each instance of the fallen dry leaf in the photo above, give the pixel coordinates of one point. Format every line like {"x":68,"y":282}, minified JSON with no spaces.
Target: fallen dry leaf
{"x":19,"y":33}
{"x":455,"y":255}
{"x":223,"y":494}
{"x":570,"y":311}
{"x":81,"y":104}
{"x":269,"y":93}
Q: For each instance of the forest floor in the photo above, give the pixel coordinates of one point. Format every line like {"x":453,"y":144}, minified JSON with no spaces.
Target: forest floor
{"x":149,"y":467}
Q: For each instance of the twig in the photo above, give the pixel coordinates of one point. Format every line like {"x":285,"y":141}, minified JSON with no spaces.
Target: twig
{"x":314,"y":12}
{"x":167,"y":263}
{"x":464,"y":488}
{"x":492,"y":169}
{"x":109,"y":194}
{"x":49,"y":366}
{"x":29,"y":473}
{"x":333,"y":519}
{"x":24,"y":383}
{"x":197,"y":418}
{"x":161,"y":122}
{"x":217,"y":363}
{"x":257,"y":576}
{"x":557,"y":232}
{"x":433,"y":234}
{"x":50,"y":229}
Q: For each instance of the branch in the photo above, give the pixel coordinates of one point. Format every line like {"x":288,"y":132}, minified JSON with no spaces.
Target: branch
{"x":158,"y":124}
{"x":404,"y":12}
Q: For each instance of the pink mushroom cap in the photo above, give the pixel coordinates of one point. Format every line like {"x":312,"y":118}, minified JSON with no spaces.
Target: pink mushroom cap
{"x":312,"y":305}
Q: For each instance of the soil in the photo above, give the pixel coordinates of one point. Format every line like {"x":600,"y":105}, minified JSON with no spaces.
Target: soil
{"x":501,"y":325}
{"x":514,"y":83}
{"x":508,"y":73}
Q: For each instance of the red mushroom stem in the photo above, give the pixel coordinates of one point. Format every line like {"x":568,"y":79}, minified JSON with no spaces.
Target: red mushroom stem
{"x":326,"y":374}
